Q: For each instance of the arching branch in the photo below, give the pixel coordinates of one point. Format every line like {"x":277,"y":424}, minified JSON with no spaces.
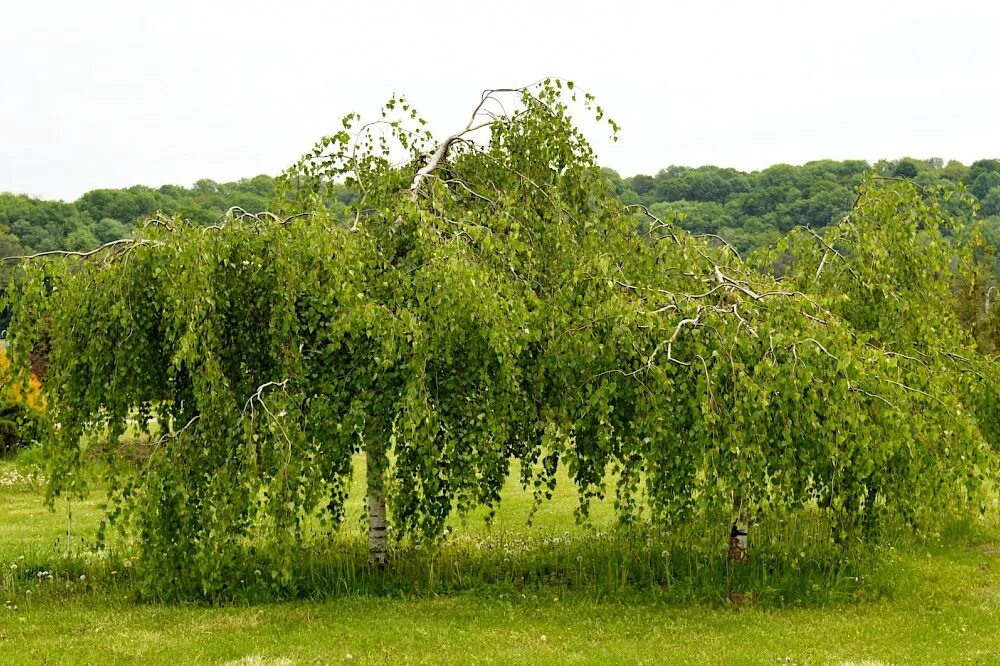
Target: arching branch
{"x":121,"y":242}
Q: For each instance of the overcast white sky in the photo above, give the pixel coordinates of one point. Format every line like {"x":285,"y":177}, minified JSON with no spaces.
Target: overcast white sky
{"x":103,"y":93}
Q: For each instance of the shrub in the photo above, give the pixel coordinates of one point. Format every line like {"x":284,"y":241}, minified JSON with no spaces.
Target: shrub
{"x":21,"y":408}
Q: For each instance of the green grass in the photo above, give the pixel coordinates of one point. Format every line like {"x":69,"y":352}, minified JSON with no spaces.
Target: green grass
{"x":954,"y":618}
{"x":568,"y":594}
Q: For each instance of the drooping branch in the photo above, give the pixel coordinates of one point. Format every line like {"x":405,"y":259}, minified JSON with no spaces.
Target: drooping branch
{"x":660,"y":224}
{"x":235,"y":212}
{"x":174,"y":434}
{"x":82,"y":254}
{"x":439,"y":155}
{"x":258,"y":396}
{"x":125,"y":244}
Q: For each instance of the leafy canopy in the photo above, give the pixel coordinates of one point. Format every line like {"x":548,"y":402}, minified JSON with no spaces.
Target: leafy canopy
{"x":485,"y":299}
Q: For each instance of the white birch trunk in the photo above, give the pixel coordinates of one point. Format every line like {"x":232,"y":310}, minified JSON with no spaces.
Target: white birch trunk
{"x":739,"y":535}
{"x":378,"y":551}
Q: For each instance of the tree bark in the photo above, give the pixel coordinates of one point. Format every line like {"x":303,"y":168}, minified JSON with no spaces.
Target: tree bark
{"x":739,"y":535}
{"x":378,"y":551}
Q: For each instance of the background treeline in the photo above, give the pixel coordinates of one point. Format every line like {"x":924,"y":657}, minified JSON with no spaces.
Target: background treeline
{"x":103,"y":215}
{"x":750,"y":210}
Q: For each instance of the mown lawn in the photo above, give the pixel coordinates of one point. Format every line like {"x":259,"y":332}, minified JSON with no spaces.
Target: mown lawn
{"x":938,"y":603}
{"x":955,"y":617}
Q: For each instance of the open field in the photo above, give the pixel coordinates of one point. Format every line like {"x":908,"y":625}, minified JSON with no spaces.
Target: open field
{"x":932,"y":602}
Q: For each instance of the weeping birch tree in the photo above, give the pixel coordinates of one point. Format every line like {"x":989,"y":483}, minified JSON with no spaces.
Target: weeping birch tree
{"x":485,"y":300}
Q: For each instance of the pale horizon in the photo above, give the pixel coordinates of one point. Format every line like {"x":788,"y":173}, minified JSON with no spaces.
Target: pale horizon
{"x":113,"y":94}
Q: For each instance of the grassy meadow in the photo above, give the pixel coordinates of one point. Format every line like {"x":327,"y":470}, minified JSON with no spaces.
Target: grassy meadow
{"x":508,"y":592}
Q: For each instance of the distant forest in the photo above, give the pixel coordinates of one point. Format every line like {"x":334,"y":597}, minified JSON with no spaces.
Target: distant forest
{"x":749,"y":210}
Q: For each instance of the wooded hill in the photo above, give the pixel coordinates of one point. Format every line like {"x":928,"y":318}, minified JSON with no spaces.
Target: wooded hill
{"x":750,"y":210}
